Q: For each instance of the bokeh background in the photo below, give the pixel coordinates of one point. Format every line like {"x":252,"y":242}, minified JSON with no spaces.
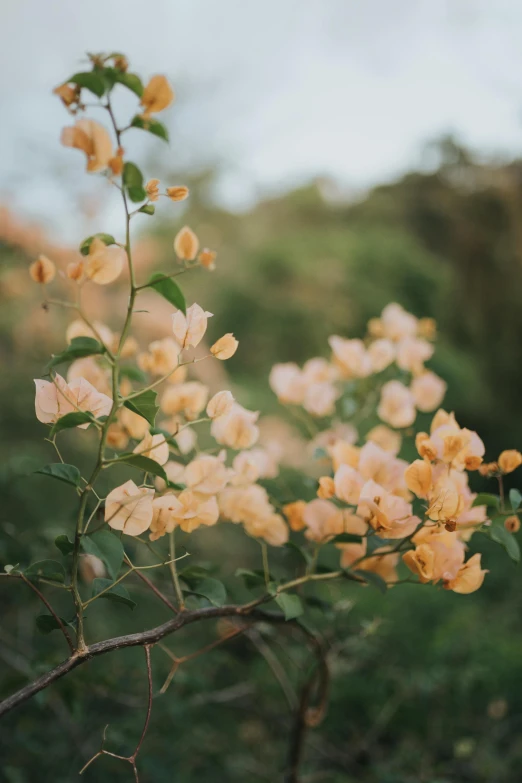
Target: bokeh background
{"x":340,"y":155}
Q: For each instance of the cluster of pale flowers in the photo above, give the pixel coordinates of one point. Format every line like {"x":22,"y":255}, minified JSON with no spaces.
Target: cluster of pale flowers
{"x":210,"y":488}
{"x":397,"y":337}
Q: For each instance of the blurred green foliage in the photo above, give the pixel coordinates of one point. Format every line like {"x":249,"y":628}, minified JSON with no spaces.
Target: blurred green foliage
{"x":426,"y":684}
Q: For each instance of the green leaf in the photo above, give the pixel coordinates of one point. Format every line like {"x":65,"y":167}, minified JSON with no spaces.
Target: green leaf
{"x":91,"y":81}
{"x":144,"y":405}
{"x":152,"y":126}
{"x":346,"y":538}
{"x":211,"y":589}
{"x":130,"y":80}
{"x":168,"y":289}
{"x":290,"y":605}
{"x":133,"y":374}
{"x":372,"y":579}
{"x":64,"y":545}
{"x":506,"y":539}
{"x":46,"y":569}
{"x":63,"y":472}
{"x":107,"y":547}
{"x":132,"y":179}
{"x":46,"y":623}
{"x":118,"y":593}
{"x":70,"y":420}
{"x":251,"y":578}
{"x":485,"y":499}
{"x":148,"y":209}
{"x":146,"y":464}
{"x":515,"y":498}
{"x":107,"y":239}
{"x":77,"y":349}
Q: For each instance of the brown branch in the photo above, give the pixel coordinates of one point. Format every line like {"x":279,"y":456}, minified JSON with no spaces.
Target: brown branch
{"x":44,"y":600}
{"x":150,"y":636}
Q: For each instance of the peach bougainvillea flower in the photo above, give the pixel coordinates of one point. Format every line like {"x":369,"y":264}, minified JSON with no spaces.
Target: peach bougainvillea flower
{"x":225,"y":347}
{"x":91,"y":138}
{"x":152,"y":189}
{"x":207,"y":474}
{"x":154,"y":447}
{"x":79,"y":328}
{"x":164,"y":518}
{"x":104,"y":263}
{"x":157,"y":95}
{"x":42,"y":270}
{"x":396,"y":407}
{"x":161,"y":357}
{"x":220,"y":404}
{"x":237,"y":429}
{"x":470,"y":577}
{"x":397,"y":323}
{"x":428,"y":391}
{"x":186,"y":398}
{"x":54,"y":400}
{"x":351,"y":357}
{"x":382,"y":354}
{"x":196,"y":510}
{"x":287,"y":382}
{"x":75,"y":271}
{"x":186,"y":244}
{"x":509,"y":460}
{"x":189,"y":329}
{"x":129,"y":508}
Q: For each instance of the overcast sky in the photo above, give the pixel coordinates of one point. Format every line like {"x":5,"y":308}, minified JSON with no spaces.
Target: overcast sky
{"x":278,"y":91}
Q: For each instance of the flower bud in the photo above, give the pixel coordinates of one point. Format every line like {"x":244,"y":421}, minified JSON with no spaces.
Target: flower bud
{"x":186,"y":244}
{"x":225,"y":347}
{"x":42,"y":270}
{"x":512,"y":524}
{"x":152,"y":189}
{"x":207,"y":258}
{"x":294,"y":513}
{"x":75,"y":271}
{"x":509,"y":460}
{"x":178,"y":193}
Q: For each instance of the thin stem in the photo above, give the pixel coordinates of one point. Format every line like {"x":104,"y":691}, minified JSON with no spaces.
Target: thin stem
{"x":44,"y":600}
{"x":266,"y":569}
{"x":174,"y":571}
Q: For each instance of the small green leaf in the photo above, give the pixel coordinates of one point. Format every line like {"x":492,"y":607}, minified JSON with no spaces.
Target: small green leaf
{"x":251,"y":578}
{"x":107,"y":239}
{"x":132,"y":179}
{"x":372,"y":579}
{"x":63,"y":472}
{"x":107,"y":547}
{"x":144,"y":405}
{"x":46,"y":623}
{"x":46,"y":569}
{"x":64,"y":545}
{"x":77,"y":349}
{"x":133,"y":374}
{"x":346,"y":538}
{"x":129,"y":80}
{"x":118,"y":593}
{"x":152,"y":126}
{"x":73,"y":419}
{"x":290,"y":605}
{"x":211,"y":589}
{"x":515,"y":498}
{"x":148,"y":209}
{"x":506,"y":539}
{"x":146,"y":464}
{"x":8,"y":569}
{"x":485,"y":499}
{"x":168,"y":289}
{"x":91,"y":81}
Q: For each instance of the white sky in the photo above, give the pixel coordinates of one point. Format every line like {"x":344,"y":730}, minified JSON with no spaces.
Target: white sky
{"x":278,"y":91}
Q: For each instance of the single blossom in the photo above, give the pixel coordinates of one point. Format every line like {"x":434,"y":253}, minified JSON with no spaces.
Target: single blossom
{"x":186,"y":244}
{"x":104,"y":262}
{"x":177,"y":192}
{"x":186,"y":398}
{"x":428,"y":391}
{"x":42,"y":270}
{"x":288,"y":383}
{"x":207,"y":474}
{"x":382,"y":354}
{"x":161,"y":357}
{"x":207,"y":259}
{"x":509,"y":460}
{"x":189,"y":329}
{"x":397,"y":406}
{"x":412,"y":352}
{"x":220,"y":404}
{"x":91,"y":138}
{"x":54,"y":400}
{"x":152,"y":189}
{"x":165,"y":515}
{"x":157,"y":95}
{"x":196,"y":510}
{"x":351,"y":357}
{"x":319,"y":399}
{"x":129,"y":508}
{"x":237,"y":429}
{"x":396,"y":323}
{"x":225,"y":347}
